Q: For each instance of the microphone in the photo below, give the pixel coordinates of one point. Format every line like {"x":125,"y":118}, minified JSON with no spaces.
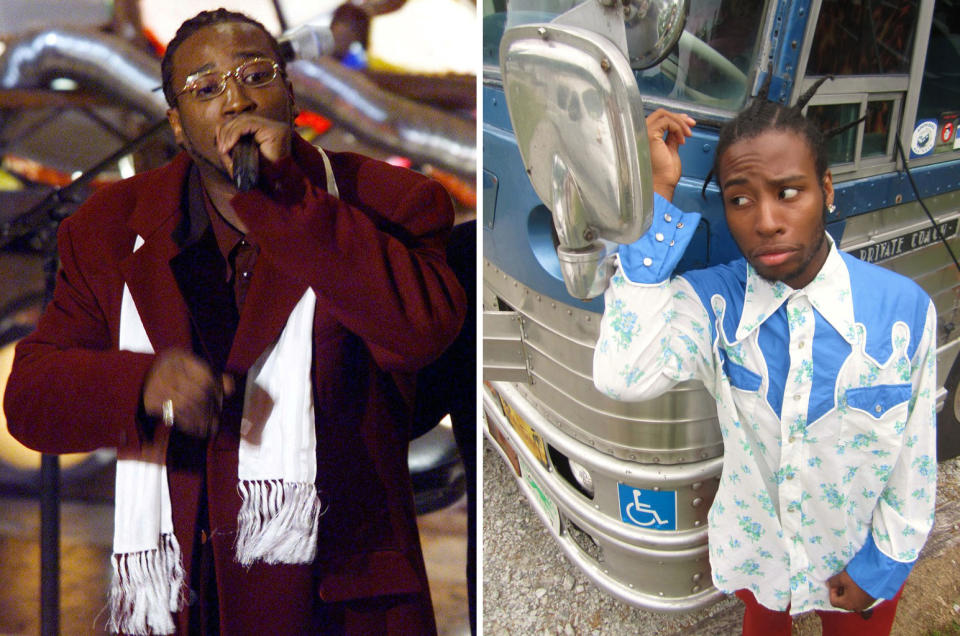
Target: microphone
{"x":305,"y":42}
{"x":308,"y":41}
{"x":246,"y":163}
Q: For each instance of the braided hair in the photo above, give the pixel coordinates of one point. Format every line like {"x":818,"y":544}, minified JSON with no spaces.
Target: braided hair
{"x":762,"y":115}
{"x":194,"y":24}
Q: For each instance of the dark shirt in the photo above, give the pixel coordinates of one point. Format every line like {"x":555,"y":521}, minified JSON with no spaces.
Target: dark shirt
{"x":239,"y":253}
{"x":204,"y":227}
{"x":237,"y":250}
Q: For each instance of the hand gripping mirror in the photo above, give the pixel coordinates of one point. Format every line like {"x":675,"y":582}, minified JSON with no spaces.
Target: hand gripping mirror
{"x":578,"y":118}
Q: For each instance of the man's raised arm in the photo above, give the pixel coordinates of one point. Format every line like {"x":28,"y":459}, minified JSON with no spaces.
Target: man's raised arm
{"x":654,"y":331}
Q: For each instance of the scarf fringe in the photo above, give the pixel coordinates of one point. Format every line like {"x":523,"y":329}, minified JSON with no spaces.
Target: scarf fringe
{"x":146,"y":588}
{"x":278,"y":522}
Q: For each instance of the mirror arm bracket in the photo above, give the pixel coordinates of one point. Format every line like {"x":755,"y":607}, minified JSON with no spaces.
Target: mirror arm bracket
{"x":604,"y":20}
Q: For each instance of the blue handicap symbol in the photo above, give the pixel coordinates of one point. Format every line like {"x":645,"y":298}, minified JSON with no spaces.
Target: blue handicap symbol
{"x":654,"y":509}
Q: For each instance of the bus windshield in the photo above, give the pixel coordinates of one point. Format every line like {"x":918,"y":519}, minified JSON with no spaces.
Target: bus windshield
{"x":710,"y":65}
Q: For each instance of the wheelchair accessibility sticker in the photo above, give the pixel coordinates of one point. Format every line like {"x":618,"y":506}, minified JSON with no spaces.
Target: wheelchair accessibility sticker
{"x":654,"y":509}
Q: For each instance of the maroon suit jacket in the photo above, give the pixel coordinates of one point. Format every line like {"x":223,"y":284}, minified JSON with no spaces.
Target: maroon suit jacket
{"x":387,"y":304}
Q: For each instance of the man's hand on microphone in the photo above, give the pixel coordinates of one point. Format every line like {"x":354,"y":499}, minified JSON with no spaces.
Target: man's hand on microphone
{"x":195,"y":394}
{"x":273,"y":137}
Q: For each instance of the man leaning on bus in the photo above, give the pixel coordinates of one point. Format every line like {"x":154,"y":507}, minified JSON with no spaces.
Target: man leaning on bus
{"x":822,"y":368}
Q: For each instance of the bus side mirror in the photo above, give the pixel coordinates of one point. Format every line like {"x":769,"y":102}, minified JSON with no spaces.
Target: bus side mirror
{"x":579,"y":123}
{"x":653,"y":29}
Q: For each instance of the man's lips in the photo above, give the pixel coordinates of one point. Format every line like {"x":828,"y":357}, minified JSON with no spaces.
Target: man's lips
{"x":773,"y":256}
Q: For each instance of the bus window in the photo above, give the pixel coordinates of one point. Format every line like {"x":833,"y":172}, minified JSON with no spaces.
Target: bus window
{"x":876,"y":132}
{"x":940,"y":89}
{"x":868,"y":48}
{"x":863,"y":38}
{"x":713,"y":60}
{"x":841,"y":148}
{"x":710,"y":66}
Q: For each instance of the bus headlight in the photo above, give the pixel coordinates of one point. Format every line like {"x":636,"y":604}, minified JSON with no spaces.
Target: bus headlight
{"x":582,"y":475}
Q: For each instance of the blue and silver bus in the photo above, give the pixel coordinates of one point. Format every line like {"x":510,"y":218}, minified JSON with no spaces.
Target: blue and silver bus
{"x":625,"y":487}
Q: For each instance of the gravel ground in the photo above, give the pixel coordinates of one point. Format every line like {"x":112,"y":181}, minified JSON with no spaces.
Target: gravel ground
{"x":529,"y":587}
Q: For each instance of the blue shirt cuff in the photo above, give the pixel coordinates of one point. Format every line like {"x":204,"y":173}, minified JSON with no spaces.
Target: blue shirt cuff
{"x":877,"y":574}
{"x":652,"y":258}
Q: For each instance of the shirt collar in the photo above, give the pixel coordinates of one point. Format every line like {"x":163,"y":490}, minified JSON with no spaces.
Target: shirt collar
{"x":829,"y":292}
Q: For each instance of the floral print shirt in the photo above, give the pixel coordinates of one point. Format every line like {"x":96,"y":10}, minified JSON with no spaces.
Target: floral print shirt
{"x":825,"y":399}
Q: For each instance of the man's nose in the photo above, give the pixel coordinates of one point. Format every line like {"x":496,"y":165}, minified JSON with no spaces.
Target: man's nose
{"x":768,"y":221}
{"x":236,"y":99}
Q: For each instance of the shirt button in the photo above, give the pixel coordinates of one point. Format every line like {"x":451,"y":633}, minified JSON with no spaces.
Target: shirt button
{"x":243,"y":243}
{"x":647,"y":262}
{"x":878,"y":408}
{"x":796,"y":397}
{"x":801,"y":344}
{"x":245,"y":275}
{"x":667,"y":218}
{"x":659,"y":237}
{"x":680,"y":225}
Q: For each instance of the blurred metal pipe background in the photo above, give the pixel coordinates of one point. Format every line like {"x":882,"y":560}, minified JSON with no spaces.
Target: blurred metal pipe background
{"x":132,"y":77}
{"x":94,"y":60}
{"x":422,"y":133}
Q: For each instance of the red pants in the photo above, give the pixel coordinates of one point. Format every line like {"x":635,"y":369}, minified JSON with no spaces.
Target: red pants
{"x":760,"y":621}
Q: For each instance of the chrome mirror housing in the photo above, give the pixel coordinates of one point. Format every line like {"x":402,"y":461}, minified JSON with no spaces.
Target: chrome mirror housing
{"x":579,"y":123}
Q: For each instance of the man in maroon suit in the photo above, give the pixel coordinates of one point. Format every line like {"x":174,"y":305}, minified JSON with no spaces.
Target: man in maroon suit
{"x":210,"y":281}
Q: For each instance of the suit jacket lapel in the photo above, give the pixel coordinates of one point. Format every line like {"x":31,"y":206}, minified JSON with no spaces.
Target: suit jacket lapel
{"x":149,"y":274}
{"x":157,"y":213}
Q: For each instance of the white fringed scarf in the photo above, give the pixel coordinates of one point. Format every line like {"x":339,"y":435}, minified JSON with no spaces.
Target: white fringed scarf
{"x":279,"y":514}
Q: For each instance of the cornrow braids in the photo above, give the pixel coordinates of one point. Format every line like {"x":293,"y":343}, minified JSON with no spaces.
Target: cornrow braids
{"x":762,"y":115}
{"x":194,"y":24}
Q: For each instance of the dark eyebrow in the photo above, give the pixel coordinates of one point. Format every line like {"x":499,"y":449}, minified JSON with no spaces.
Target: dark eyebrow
{"x":203,"y":69}
{"x":781,"y":181}
{"x":249,"y":54}
{"x":793,"y":178}
{"x":242,"y":55}
{"x":733,"y":182}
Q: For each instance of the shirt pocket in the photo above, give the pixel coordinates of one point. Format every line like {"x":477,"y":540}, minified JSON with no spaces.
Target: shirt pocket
{"x":874,"y":421}
{"x":744,"y":391}
{"x":879,"y":401}
{"x":740,"y":376}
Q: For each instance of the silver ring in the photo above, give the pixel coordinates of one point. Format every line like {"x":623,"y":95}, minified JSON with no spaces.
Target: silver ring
{"x":168,"y":413}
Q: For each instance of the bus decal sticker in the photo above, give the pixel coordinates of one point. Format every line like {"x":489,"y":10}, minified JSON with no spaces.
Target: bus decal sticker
{"x":884,"y":250}
{"x":652,"y":509}
{"x":924,"y":138}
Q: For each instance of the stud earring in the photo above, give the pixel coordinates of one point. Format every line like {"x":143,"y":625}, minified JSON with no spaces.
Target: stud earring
{"x":831,"y":208}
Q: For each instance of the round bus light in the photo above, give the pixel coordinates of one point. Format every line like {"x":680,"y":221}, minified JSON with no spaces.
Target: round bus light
{"x":582,"y":475}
